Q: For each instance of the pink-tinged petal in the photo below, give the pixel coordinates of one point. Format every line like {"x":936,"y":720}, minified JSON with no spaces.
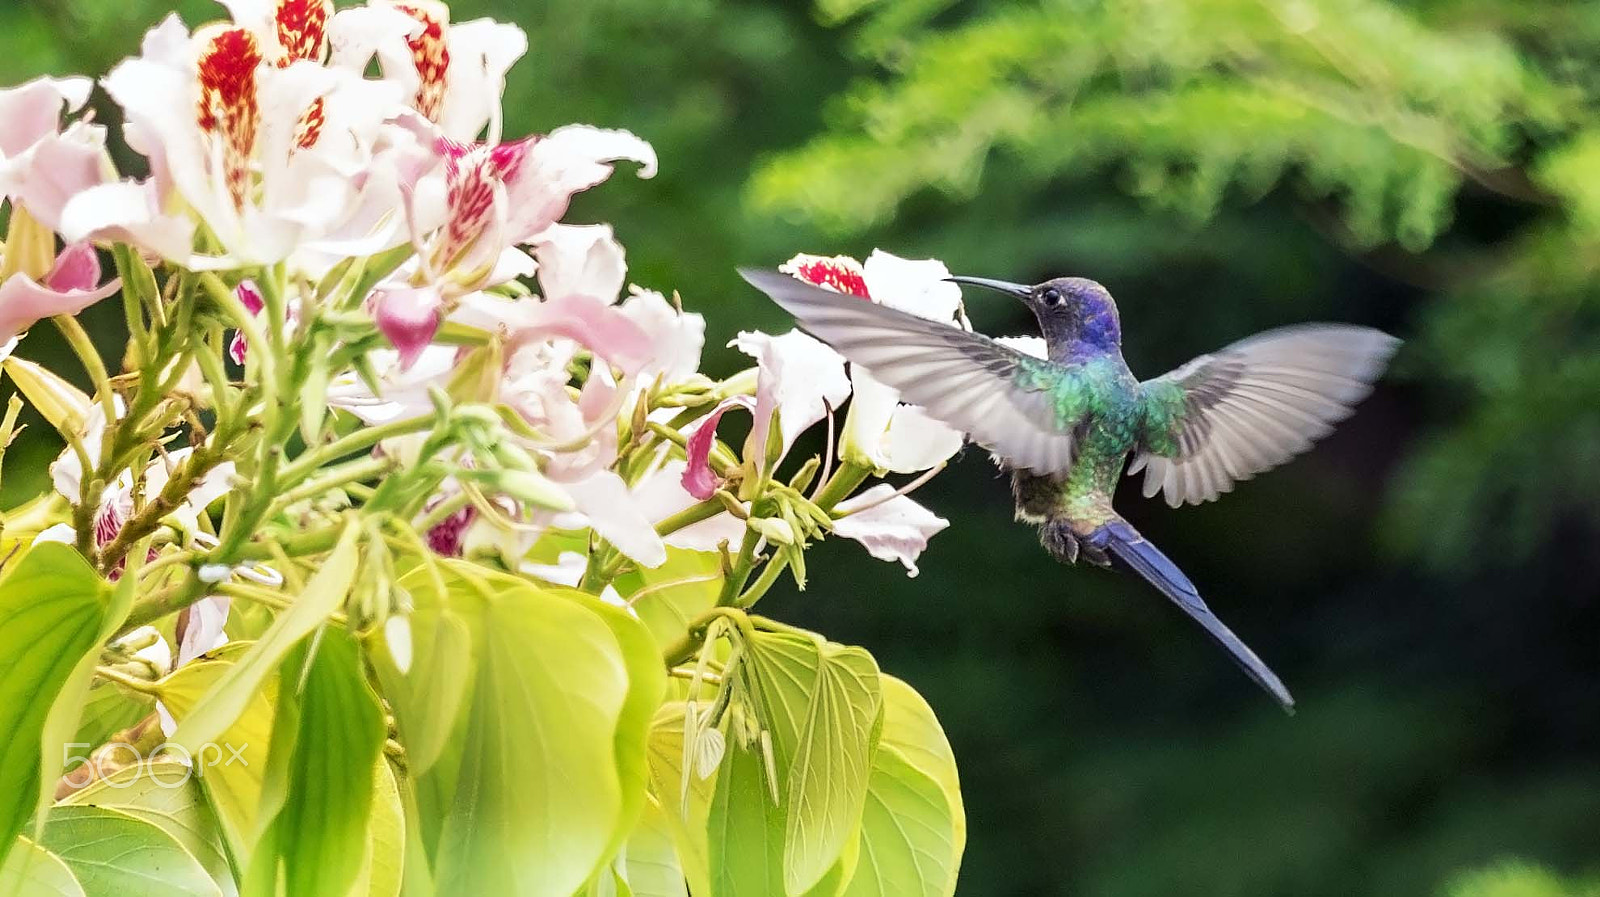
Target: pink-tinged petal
{"x":409,"y":317}
{"x":678,"y":337}
{"x":24,"y":301}
{"x":891,"y":529}
{"x":32,"y":112}
{"x":699,"y":480}
{"x":59,"y":168}
{"x":590,"y":322}
{"x":77,"y":268}
{"x":580,"y":259}
{"x":840,"y":273}
{"x":203,"y":628}
{"x":799,"y":378}
{"x":250,"y":297}
{"x":915,"y":286}
{"x":611,"y":510}
{"x":567,"y":161}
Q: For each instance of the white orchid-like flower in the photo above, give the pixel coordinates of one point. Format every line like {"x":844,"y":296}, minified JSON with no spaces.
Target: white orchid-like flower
{"x":269,"y":147}
{"x":880,"y":431}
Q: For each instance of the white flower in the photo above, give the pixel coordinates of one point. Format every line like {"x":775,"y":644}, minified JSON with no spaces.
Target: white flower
{"x":799,"y":380}
{"x":892,"y":527}
{"x":879,"y":431}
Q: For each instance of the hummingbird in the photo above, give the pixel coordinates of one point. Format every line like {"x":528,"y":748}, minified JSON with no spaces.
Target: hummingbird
{"x":1065,"y":426}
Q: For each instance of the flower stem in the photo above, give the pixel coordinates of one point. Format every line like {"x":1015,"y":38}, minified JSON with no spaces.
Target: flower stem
{"x":740,"y":574}
{"x":133,"y":683}
{"x":83,"y":347}
{"x":843,"y":482}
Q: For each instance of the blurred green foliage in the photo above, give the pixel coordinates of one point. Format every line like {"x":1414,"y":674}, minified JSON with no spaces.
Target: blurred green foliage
{"x":1426,"y":581}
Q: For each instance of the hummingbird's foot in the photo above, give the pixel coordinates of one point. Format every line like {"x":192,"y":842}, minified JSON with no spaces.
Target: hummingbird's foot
{"x":1095,"y":547}
{"x":1058,"y":538}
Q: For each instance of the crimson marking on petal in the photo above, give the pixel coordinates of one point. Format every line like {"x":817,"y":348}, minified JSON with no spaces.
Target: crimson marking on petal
{"x":229,"y":110}
{"x":840,"y":273}
{"x":302,"y":29}
{"x":472,"y":179}
{"x":309,"y":129}
{"x":430,"y":52}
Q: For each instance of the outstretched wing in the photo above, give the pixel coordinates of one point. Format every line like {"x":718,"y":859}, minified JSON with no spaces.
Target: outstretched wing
{"x":1002,"y":399}
{"x":1227,"y":416}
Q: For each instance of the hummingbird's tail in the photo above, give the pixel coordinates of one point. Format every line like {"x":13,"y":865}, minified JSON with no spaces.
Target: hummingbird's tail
{"x":1125,"y":544}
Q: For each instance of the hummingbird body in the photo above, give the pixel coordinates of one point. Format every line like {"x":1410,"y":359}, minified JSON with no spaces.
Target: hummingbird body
{"x":1066,"y":425}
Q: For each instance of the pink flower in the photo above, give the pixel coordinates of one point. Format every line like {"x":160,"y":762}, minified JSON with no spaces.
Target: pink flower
{"x":699,"y":480}
{"x":68,"y":289}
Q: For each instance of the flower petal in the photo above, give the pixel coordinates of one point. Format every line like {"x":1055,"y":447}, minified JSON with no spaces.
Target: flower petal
{"x":799,"y":379}
{"x":569,"y":160}
{"x":77,"y":269}
{"x":678,"y":337}
{"x":611,"y":510}
{"x":581,"y":259}
{"x":892,"y":529}
{"x":699,"y":480}
{"x":917,"y":287}
{"x":31,"y":112}
{"x":203,"y":628}
{"x":1027,"y":345}
{"x":24,"y":301}
{"x":409,"y":317}
{"x":590,"y":322}
{"x":661,"y":494}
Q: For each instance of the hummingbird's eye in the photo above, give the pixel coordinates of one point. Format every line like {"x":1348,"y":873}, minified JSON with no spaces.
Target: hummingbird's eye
{"x":1051,"y":296}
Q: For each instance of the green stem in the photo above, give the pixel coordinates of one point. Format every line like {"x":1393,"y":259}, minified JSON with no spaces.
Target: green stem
{"x":740,"y":574}
{"x":839,"y":486}
{"x":360,"y":440}
{"x":132,"y":683}
{"x":689,"y":517}
{"x":764,"y":582}
{"x":83,"y":347}
{"x":358,"y":471}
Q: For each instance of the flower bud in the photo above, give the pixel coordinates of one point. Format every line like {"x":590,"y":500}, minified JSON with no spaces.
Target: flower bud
{"x":30,"y":247}
{"x":63,"y":405}
{"x":775,"y":529}
{"x":527,"y":486}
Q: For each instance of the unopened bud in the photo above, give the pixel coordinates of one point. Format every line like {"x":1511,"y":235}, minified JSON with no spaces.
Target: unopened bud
{"x":776,"y":530}
{"x":59,"y":402}
{"x":733,"y":504}
{"x":530,"y":487}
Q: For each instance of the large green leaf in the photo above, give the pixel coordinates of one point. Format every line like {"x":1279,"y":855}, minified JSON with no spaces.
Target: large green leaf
{"x":113,"y":854}
{"x":321,"y":833}
{"x":232,"y":693}
{"x":670,"y":597}
{"x":427,"y":699}
{"x":32,"y":871}
{"x":533,"y":812}
{"x":229,"y":769}
{"x":908,"y":834}
{"x":745,"y":829}
{"x":52,"y":606}
{"x":166,"y":795}
{"x":910,"y":727}
{"x":822,"y":703}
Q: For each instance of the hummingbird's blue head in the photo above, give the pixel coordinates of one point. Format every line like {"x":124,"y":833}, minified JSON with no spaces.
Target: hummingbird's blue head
{"x":1075,"y":313}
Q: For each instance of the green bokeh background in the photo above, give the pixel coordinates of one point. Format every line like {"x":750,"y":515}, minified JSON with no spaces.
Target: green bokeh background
{"x":1446,"y":662}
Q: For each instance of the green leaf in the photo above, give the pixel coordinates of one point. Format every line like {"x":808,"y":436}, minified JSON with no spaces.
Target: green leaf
{"x":52,"y":606}
{"x":686,"y":821}
{"x":110,"y":709}
{"x":229,"y":769}
{"x":113,"y":854}
{"x":383,"y":870}
{"x":166,"y":795}
{"x":32,"y":871}
{"x":320,"y":835}
{"x":231,"y":694}
{"x":672,"y":596}
{"x":910,"y":727}
{"x":649,"y":860}
{"x":823,"y":704}
{"x":908,"y":833}
{"x":745,"y":829}
{"x":427,"y":699}
{"x":533,"y":811}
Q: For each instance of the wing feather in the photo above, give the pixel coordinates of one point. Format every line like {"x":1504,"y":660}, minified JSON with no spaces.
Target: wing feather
{"x":964,"y":379}
{"x":1253,"y":406}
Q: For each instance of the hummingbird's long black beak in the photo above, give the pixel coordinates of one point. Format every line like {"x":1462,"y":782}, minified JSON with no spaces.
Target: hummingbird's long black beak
{"x":1014,"y":290}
